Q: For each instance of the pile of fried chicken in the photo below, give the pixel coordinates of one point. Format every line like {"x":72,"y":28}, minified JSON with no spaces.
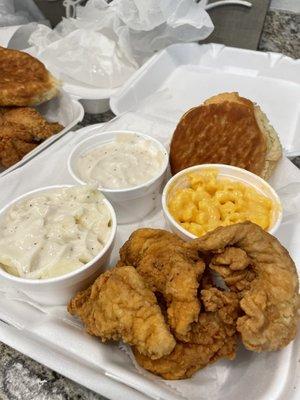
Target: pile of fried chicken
{"x":21,"y":130}
{"x":164,"y":298}
{"x":24,"y":82}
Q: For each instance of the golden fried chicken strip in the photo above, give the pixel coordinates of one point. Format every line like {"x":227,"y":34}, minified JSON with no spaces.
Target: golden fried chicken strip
{"x":169,"y":268}
{"x":211,"y":338}
{"x":21,"y":128}
{"x":32,"y":120}
{"x":119,"y":305}
{"x":269,"y":286}
{"x":15,"y":143}
{"x":233,"y":265}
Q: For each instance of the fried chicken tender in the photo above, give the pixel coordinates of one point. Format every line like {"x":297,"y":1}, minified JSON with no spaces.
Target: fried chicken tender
{"x":119,"y":305}
{"x":169,"y":268}
{"x":254,"y":264}
{"x":32,"y":120}
{"x":233,"y":265}
{"x":15,"y":143}
{"x":212,"y":337}
{"x":21,"y":129}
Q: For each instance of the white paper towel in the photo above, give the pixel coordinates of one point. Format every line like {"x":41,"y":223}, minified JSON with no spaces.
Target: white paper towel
{"x":108,"y":42}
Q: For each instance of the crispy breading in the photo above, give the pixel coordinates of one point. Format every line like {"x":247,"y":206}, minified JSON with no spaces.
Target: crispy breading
{"x":169,"y":268}
{"x":212,"y":337}
{"x":24,"y":80}
{"x":32,"y":120}
{"x":21,"y":129}
{"x":15,"y":143}
{"x":120,"y":306}
{"x":233,"y":265}
{"x":262,"y":271}
{"x":259,"y":299}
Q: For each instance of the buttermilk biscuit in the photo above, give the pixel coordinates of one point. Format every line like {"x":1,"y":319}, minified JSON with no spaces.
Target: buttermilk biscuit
{"x":24,"y":80}
{"x":226,"y":129}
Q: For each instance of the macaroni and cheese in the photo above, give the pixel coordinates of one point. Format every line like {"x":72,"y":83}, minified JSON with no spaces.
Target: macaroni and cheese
{"x":210,"y":202}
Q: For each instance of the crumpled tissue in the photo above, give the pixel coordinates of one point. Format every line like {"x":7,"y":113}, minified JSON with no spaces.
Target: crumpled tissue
{"x":107,"y":43}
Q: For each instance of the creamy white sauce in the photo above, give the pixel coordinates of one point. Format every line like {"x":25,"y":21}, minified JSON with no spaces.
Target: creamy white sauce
{"x":53,"y":233}
{"x":123,"y":163}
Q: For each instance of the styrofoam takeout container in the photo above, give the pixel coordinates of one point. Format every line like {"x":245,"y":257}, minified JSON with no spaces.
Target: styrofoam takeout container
{"x":182,"y":76}
{"x":131,"y":204}
{"x":228,"y":172}
{"x":59,"y":290}
{"x":93,"y":100}
{"x":63,"y":109}
{"x":104,"y":368}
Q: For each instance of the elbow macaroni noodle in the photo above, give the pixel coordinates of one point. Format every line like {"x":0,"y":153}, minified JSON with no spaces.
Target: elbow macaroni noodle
{"x":210,"y":202}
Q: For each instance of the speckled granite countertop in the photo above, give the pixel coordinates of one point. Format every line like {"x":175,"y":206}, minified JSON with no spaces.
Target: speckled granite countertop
{"x":24,"y":379}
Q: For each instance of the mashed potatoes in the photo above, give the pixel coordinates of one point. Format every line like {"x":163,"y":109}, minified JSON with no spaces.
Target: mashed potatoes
{"x":125,"y":162}
{"x":55,"y":232}
{"x":210,"y":202}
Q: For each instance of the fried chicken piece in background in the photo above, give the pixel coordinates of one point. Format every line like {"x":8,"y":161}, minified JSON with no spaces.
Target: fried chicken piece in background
{"x":169,"y":268}
{"x":260,"y":269}
{"x":15,"y":143}
{"x":32,"y":120}
{"x":119,"y":305}
{"x":212,"y":337}
{"x":24,"y":80}
{"x":21,"y":129}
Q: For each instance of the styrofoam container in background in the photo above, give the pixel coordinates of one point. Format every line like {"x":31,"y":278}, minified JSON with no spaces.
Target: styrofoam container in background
{"x":63,"y":109}
{"x":59,"y":290}
{"x":182,"y":76}
{"x":94,"y":100}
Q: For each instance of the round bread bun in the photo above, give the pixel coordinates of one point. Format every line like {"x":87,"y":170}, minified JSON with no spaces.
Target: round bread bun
{"x":24,"y":80}
{"x":226,"y":129}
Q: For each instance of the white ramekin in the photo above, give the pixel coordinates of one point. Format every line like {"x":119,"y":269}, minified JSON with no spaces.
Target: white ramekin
{"x":130,"y":204}
{"x":59,"y":290}
{"x":225,"y":171}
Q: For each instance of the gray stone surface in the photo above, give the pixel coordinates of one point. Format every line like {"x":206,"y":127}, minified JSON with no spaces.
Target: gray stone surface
{"x":24,"y":379}
{"x":21,"y":378}
{"x":281,"y":33}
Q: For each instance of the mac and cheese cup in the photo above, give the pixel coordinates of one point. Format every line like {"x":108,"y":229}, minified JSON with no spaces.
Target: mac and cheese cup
{"x":228,"y":172}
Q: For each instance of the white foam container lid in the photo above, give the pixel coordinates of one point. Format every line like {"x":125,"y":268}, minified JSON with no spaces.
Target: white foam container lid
{"x":184,"y":75}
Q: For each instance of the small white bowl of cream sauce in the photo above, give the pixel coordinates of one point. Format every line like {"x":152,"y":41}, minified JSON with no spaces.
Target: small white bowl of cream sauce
{"x":128,"y":167}
{"x":54,"y":241}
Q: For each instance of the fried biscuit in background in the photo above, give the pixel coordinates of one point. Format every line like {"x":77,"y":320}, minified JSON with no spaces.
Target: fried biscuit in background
{"x":226,"y":129}
{"x":24,"y":80}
